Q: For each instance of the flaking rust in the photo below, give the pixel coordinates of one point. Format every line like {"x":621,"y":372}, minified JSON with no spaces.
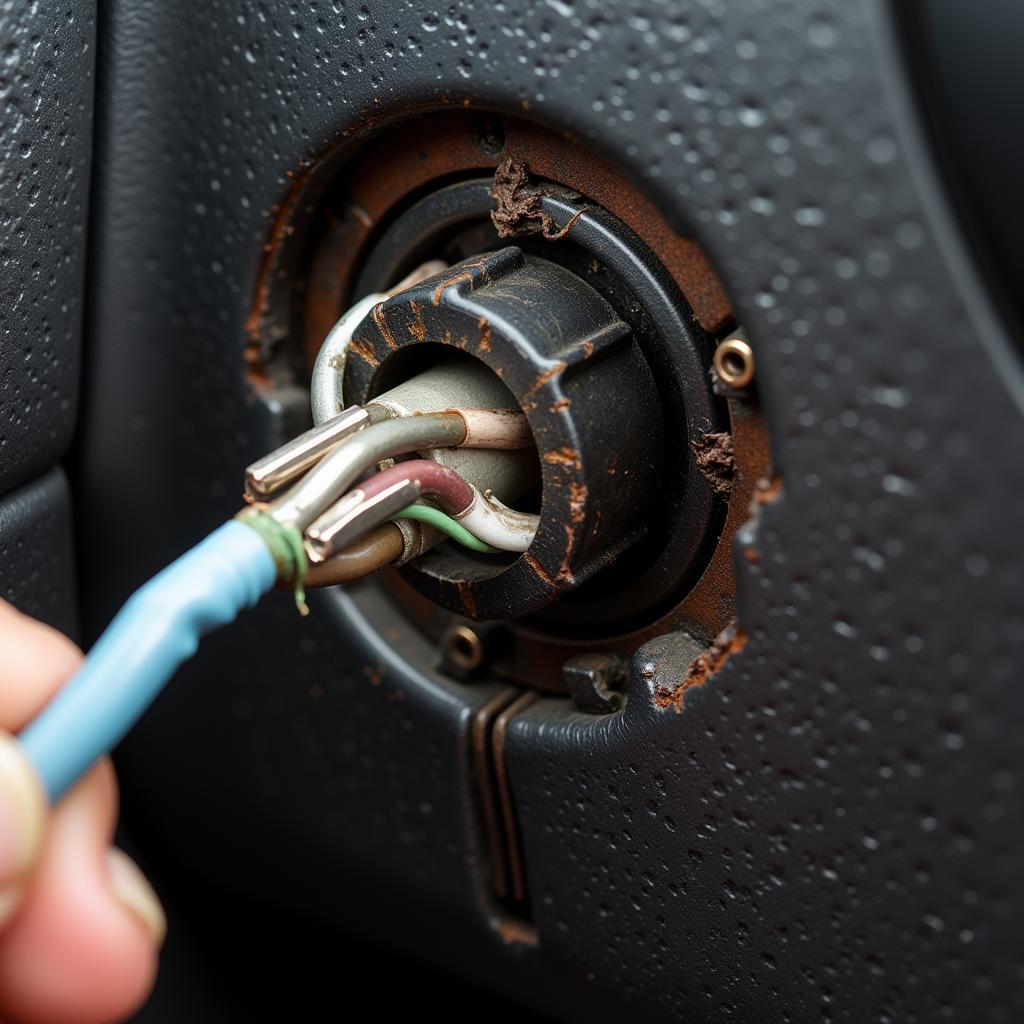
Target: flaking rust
{"x":517,"y":206}
{"x":716,"y":459}
{"x":705,"y":666}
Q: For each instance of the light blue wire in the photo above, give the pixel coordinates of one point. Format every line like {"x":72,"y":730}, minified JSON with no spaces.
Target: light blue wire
{"x":157,"y":629}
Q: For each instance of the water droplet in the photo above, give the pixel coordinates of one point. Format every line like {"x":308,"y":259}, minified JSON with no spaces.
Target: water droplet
{"x":845,"y":629}
{"x":751,"y":115}
{"x":822,"y":33}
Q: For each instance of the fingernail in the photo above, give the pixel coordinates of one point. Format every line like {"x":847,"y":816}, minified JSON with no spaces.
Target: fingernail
{"x":132,"y":890}
{"x":22,"y":807}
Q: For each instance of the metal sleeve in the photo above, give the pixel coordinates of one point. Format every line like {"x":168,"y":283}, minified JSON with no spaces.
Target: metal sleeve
{"x":339,"y":470}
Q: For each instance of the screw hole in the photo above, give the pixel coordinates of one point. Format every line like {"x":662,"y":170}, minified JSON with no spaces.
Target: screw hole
{"x":489,"y":133}
{"x":464,"y":648}
{"x":734,"y":363}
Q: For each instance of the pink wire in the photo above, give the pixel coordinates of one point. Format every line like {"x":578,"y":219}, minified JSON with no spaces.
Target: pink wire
{"x":439,"y":482}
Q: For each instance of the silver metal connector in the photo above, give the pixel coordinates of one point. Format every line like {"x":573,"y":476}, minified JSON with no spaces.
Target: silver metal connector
{"x":354,"y":516}
{"x":291,"y":460}
{"x":327,"y":481}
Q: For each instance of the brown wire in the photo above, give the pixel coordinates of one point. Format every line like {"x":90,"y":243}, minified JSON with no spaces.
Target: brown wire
{"x":363,"y":557}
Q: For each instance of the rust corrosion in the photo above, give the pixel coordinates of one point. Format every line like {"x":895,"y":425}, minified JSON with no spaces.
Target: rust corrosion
{"x":563,"y":457}
{"x":577,"y":513}
{"x":439,"y":145}
{"x":767,"y":489}
{"x":382,"y":325}
{"x":705,"y":666}
{"x":577,"y":502}
{"x":363,"y":350}
{"x":458,"y":278}
{"x":716,"y":460}
{"x":257,"y":328}
{"x":448,"y":283}
{"x":468,"y":601}
{"x":565,"y":573}
{"x":517,"y":207}
{"x":545,"y":378}
{"x":418,"y":329}
{"x":484,"y":341}
{"x":516,"y":933}
{"x":538,"y":570}
{"x":710,"y":606}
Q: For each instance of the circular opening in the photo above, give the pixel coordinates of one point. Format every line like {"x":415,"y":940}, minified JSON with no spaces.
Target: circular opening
{"x":734,"y":362}
{"x":486,"y":390}
{"x":432,"y":378}
{"x":375,"y":235}
{"x":454,"y":223}
{"x":489,"y":133}
{"x":464,"y":648}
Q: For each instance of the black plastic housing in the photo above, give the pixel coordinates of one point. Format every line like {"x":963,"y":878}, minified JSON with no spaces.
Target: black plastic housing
{"x":588,"y":396}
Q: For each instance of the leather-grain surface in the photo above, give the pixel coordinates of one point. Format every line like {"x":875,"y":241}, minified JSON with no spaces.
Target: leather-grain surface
{"x":46,"y":93}
{"x":831,"y":829}
{"x":37,"y":568}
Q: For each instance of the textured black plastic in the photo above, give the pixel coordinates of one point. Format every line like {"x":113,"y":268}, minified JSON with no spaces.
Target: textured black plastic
{"x":45,"y":143}
{"x":832,"y":828}
{"x":36,"y":554}
{"x":971,"y":81}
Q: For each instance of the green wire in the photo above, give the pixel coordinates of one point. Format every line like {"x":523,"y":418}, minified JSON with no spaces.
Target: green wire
{"x":440,"y":521}
{"x":285,"y":543}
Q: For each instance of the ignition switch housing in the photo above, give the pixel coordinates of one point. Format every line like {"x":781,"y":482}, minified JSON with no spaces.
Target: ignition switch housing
{"x":588,"y":394}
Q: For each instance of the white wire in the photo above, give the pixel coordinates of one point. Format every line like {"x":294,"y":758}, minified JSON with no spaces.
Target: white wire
{"x":497,"y":524}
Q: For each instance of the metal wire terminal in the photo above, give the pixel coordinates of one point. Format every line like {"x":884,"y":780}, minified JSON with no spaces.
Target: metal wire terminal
{"x":338,"y":471}
{"x":291,"y":460}
{"x":355,"y":515}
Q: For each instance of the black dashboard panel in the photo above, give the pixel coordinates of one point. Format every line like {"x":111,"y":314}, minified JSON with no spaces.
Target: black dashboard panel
{"x":829,"y":828}
{"x":45,"y":155}
{"x":46,"y":127}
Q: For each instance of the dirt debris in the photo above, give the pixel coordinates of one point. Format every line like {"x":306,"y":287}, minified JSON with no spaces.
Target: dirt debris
{"x":517,"y":206}
{"x":716,"y":460}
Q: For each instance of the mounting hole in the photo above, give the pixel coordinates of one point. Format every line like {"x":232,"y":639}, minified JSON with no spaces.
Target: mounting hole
{"x":734,"y":363}
{"x":463,"y":648}
{"x":489,"y":134}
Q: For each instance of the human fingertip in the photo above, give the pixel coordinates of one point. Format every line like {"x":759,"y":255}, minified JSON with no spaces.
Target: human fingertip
{"x":22,"y":812}
{"x":130,"y":887}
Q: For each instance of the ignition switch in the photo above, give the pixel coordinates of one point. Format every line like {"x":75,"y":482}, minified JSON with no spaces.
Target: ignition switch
{"x":589,"y":396}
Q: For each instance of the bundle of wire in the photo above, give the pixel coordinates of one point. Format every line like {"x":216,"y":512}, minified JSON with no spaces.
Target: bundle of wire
{"x":323,"y":524}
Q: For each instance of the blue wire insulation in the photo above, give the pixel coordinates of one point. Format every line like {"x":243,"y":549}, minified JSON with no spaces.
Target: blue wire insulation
{"x":158,"y":628}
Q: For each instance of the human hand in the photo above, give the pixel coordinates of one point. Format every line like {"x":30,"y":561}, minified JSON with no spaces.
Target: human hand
{"x":80,"y":927}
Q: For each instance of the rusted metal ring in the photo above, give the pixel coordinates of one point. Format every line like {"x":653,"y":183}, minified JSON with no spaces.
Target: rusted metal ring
{"x":323,"y":231}
{"x":601,"y":250}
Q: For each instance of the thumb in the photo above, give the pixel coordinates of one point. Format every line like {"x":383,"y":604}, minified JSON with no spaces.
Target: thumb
{"x":22,"y":811}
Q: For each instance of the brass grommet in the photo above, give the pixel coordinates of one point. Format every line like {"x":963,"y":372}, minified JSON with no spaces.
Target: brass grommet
{"x":463,"y":648}
{"x":734,"y":363}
